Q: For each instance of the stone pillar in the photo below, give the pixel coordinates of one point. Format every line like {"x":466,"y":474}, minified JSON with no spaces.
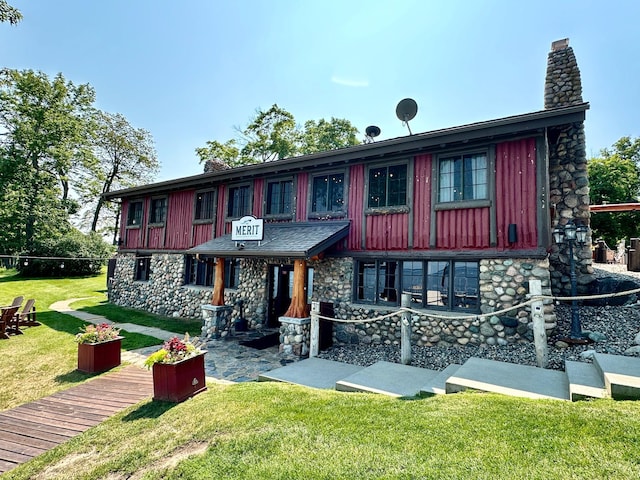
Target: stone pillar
{"x":295,"y":334}
{"x":568,"y":178}
{"x":216,"y":321}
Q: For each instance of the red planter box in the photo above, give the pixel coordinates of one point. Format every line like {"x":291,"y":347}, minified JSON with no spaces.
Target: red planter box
{"x":175,"y":382}
{"x":99,"y":357}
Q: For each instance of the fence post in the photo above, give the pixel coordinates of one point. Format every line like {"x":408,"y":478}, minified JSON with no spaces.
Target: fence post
{"x":539,"y":333}
{"x":405,"y":331}
{"x":314,"y":346}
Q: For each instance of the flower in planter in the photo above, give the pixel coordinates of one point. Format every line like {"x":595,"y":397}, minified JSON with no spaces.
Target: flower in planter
{"x":103,"y":332}
{"x":174,"y":350}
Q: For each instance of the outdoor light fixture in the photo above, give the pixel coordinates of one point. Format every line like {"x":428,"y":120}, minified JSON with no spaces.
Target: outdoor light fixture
{"x":570,"y":234}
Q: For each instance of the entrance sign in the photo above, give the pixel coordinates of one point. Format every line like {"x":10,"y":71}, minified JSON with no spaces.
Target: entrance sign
{"x":247,"y":228}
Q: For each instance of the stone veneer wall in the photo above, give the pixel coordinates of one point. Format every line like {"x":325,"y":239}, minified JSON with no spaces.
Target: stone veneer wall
{"x":568,"y":178}
{"x":503,"y":283}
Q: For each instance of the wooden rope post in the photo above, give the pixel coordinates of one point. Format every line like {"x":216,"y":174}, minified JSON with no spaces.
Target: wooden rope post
{"x":539,"y":333}
{"x":314,"y":347}
{"x":405,"y":331}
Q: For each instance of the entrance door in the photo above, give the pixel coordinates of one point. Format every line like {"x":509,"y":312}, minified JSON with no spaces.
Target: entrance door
{"x":280,"y":291}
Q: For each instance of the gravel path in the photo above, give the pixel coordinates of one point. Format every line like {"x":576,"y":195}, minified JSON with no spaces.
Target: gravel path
{"x":620,"y":325}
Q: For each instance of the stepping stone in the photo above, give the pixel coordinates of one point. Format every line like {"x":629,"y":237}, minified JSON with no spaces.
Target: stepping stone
{"x":437,"y":386}
{"x":509,"y":379}
{"x":621,"y":375}
{"x":585,"y":381}
{"x":388,"y":378}
{"x":312,"y":372}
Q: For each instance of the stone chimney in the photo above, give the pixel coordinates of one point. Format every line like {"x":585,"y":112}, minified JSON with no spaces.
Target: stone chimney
{"x":562,"y":86}
{"x":568,"y":178}
{"x":214,"y":165}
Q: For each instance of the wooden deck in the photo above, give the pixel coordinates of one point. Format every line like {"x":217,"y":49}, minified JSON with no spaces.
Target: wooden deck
{"x":31,"y":429}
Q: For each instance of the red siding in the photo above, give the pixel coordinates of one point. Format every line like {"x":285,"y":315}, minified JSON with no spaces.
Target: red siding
{"x":179,"y":220}
{"x":155,"y":237}
{"x":421,"y":201}
{"x":301,"y":197}
{"x":387,"y":232}
{"x":516,"y":192}
{"x":222,"y":210}
{"x":258,"y":197}
{"x":356,"y":206}
{"x":202,"y":232}
{"x":457,"y":229}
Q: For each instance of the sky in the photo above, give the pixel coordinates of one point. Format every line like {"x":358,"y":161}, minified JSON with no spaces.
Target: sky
{"x":197,"y":70}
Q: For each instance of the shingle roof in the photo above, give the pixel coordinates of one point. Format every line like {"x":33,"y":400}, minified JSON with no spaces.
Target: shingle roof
{"x":291,"y":240}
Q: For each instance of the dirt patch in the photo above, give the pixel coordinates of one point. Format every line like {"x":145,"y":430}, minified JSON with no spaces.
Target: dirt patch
{"x":186,"y":451}
{"x":70,"y":463}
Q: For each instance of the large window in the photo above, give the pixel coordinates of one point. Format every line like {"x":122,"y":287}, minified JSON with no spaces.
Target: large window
{"x":202,"y":272}
{"x":134,"y":215}
{"x":205,"y":205}
{"x":440,"y":284}
{"x":142,"y":269}
{"x":158,"y":212}
{"x":279,"y":197}
{"x":388,"y":186}
{"x":239,"y":202}
{"x":463,"y":177}
{"x":328,"y":193}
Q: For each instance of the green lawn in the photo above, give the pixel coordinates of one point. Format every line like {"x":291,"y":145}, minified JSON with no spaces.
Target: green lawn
{"x":274,"y":430}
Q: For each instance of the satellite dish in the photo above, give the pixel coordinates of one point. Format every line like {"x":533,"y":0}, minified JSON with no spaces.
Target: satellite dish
{"x":406,"y":110}
{"x":371,"y":132}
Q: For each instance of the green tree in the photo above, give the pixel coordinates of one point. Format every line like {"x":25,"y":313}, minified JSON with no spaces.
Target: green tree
{"x":271,"y":135}
{"x":323,"y":135}
{"x":123,"y":156}
{"x":615,"y":178}
{"x":44,"y":125}
{"x":9,"y":13}
{"x":226,"y":152}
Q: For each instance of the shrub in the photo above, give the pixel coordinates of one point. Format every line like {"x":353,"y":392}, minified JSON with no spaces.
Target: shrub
{"x":75,"y":253}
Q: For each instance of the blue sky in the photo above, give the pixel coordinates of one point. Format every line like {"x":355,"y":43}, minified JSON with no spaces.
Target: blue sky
{"x":192,"y":71}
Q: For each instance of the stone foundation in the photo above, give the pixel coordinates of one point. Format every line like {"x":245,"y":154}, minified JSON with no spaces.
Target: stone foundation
{"x":295,"y":335}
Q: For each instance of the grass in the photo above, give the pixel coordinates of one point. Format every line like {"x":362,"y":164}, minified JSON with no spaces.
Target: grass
{"x":43,"y":359}
{"x":273,"y":430}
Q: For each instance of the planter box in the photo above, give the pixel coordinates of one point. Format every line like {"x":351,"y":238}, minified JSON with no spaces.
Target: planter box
{"x":99,"y":357}
{"x":175,"y":382}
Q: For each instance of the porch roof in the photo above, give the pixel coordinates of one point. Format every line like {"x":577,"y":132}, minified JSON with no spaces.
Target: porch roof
{"x":302,"y":240}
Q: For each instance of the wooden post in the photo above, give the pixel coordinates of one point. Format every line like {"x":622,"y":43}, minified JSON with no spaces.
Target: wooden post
{"x":405,"y":331}
{"x":539,"y":333}
{"x":314,"y":348}
{"x":218,"y":285}
{"x":298,"y":307}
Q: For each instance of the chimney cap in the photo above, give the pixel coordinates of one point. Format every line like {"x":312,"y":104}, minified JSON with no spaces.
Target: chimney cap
{"x":559,"y":44}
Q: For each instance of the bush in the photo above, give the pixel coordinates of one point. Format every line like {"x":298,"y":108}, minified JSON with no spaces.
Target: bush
{"x":74,"y":254}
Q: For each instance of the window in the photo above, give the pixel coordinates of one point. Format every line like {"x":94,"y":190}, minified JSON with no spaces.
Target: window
{"x":328,"y":193}
{"x":202,"y":272}
{"x":134,"y":215}
{"x":239,"y":202}
{"x":158,"y":210}
{"x":430,"y":283}
{"x":279,"y":195}
{"x":388,"y":186}
{"x":205,"y":205}
{"x":143,"y":269}
{"x":463,"y":177}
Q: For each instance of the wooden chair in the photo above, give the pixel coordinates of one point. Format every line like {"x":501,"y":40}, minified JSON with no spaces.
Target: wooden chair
{"x":6,"y":321}
{"x":27,"y":317}
{"x":17,"y":301}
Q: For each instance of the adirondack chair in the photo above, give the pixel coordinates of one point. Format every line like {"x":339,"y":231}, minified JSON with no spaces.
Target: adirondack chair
{"x":6,"y":321}
{"x":17,"y":301}
{"x":27,"y":317}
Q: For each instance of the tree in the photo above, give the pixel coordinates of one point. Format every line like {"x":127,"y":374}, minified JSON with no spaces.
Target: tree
{"x":271,"y":135}
{"x":123,"y":156}
{"x":615,"y":178}
{"x":274,"y":135}
{"x":325,"y":135}
{"x":9,"y":13}
{"x":44,"y":125}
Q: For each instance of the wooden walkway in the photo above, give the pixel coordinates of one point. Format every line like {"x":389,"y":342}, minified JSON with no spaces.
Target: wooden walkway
{"x":31,"y":429}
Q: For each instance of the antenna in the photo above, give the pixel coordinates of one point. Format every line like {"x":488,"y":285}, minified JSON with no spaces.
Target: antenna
{"x":371,"y":132}
{"x":406,"y":110}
